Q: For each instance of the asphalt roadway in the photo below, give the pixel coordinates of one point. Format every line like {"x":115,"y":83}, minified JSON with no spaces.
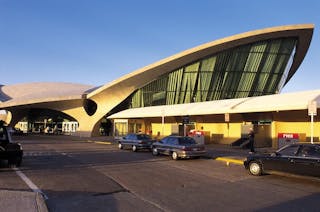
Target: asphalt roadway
{"x":31,"y":198}
{"x":36,"y":201}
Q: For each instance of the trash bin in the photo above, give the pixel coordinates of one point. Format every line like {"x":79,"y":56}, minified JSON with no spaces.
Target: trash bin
{"x":197,"y":135}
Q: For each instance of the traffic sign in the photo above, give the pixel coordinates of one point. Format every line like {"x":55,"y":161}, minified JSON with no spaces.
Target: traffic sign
{"x":312,"y":108}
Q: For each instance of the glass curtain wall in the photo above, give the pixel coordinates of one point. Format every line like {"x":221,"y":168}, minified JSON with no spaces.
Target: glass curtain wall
{"x":252,"y":70}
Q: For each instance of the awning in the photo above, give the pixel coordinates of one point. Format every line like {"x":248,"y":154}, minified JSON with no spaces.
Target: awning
{"x":268,"y":103}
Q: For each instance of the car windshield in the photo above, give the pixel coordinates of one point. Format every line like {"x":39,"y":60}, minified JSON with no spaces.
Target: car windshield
{"x":186,"y":141}
{"x":289,"y":150}
{"x":143,"y":137}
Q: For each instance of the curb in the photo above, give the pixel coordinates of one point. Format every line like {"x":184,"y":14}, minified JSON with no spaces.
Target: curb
{"x":21,"y":201}
{"x":100,"y":142}
{"x":230,"y":160}
{"x":41,"y":203}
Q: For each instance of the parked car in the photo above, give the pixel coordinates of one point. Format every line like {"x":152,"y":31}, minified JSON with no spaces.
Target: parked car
{"x":12,"y":152}
{"x":136,"y":141}
{"x":178,"y":147}
{"x":298,"y":159}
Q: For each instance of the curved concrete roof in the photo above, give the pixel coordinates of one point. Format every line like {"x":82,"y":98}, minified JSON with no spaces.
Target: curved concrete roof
{"x":38,"y":92}
{"x":29,"y":93}
{"x":144,"y":75}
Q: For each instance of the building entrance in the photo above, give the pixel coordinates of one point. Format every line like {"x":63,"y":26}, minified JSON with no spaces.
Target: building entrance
{"x":263,"y":137}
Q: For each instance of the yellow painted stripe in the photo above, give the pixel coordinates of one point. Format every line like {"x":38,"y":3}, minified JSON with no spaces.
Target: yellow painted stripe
{"x":229,"y":160}
{"x":101,"y":142}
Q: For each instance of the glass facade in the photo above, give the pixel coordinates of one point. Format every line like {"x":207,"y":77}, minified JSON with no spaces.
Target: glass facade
{"x":251,"y":70}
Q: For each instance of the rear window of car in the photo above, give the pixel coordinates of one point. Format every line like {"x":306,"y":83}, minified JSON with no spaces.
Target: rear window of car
{"x":186,"y":141}
{"x":129,"y":136}
{"x":164,"y":140}
{"x":172,"y":141}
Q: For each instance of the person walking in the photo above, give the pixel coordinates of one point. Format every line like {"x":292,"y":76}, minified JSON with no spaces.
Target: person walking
{"x":251,"y":140}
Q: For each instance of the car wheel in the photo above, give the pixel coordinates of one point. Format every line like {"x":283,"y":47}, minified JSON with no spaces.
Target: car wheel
{"x":120,"y":146}
{"x":175,"y":156}
{"x":134,"y":148}
{"x":255,"y":168}
{"x":155,"y":151}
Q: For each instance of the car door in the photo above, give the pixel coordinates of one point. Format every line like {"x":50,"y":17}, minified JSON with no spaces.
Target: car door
{"x":170,"y":145}
{"x":308,"y":161}
{"x":282,"y":160}
{"x":134,"y":139}
{"x":161,"y":145}
{"x":128,"y":140}
{"x":174,"y":145}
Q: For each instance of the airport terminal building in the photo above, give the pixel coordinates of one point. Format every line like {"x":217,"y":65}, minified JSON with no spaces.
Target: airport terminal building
{"x":216,"y":90}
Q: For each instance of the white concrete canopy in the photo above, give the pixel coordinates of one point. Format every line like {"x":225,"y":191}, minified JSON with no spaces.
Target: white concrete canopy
{"x":269,"y":103}
{"x":37,"y":92}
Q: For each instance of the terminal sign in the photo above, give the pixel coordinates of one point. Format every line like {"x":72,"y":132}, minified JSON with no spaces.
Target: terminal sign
{"x":288,"y":135}
{"x":312,"y":108}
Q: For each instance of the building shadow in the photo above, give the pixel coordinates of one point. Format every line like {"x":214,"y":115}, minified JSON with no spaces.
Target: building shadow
{"x":308,"y":203}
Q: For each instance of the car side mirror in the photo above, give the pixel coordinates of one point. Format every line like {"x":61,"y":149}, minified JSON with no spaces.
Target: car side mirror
{"x":274,"y":154}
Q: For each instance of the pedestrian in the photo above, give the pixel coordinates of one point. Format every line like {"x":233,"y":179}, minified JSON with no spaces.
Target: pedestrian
{"x":251,"y":140}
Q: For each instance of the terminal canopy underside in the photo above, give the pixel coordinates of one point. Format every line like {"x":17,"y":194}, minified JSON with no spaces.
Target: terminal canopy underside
{"x":250,"y":70}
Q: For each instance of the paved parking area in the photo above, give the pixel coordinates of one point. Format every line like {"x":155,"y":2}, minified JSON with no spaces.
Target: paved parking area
{"x":82,"y":175}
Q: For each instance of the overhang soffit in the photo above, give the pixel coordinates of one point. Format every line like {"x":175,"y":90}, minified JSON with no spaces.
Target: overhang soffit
{"x":36,"y":102}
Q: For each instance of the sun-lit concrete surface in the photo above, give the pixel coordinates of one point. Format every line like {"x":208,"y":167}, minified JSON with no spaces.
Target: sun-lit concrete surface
{"x":22,"y":201}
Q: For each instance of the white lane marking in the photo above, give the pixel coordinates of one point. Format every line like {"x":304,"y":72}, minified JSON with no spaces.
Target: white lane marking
{"x":29,"y":183}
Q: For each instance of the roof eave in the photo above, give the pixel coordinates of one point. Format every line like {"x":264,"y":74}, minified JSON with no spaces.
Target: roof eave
{"x":302,"y":31}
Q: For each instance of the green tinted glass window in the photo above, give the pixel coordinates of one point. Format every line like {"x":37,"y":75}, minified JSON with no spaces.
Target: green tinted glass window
{"x":251,"y":70}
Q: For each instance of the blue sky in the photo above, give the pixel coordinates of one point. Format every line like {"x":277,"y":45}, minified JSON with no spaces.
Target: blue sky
{"x":96,"y":41}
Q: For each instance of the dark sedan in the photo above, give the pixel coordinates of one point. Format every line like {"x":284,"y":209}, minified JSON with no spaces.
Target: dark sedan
{"x":298,"y":159}
{"x":136,"y":141}
{"x":178,"y":147}
{"x":9,"y":151}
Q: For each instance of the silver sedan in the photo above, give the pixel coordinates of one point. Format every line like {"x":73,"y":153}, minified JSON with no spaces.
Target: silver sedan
{"x":178,"y":147}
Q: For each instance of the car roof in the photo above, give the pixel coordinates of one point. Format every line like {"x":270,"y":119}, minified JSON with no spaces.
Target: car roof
{"x":308,"y":143}
{"x":299,"y":144}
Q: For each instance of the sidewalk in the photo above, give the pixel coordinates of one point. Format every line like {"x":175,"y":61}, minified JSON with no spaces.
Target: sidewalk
{"x":22,"y":201}
{"x":230,"y":154}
